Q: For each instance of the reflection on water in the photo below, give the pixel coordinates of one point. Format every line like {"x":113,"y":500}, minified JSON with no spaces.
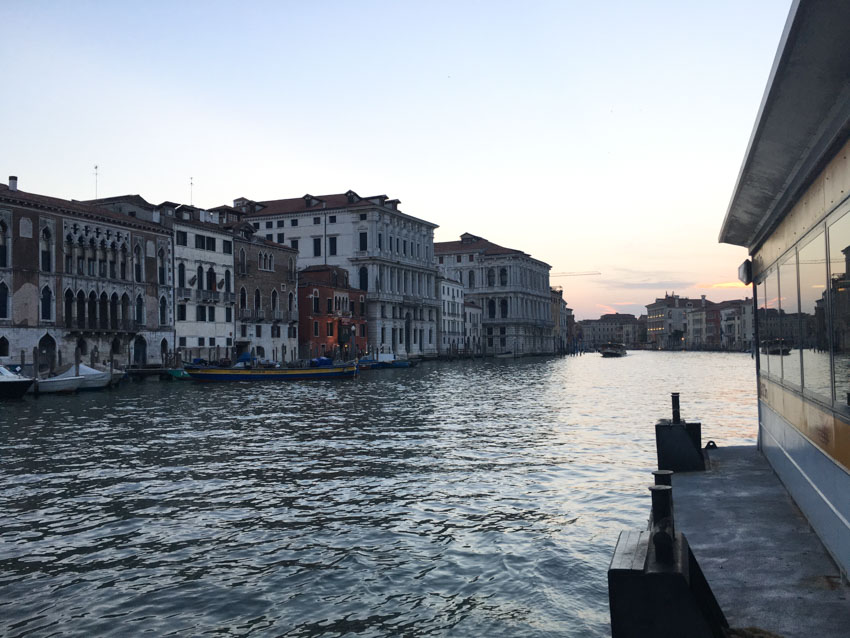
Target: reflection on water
{"x":461,"y":499}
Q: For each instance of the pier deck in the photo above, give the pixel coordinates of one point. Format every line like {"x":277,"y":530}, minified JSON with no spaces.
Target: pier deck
{"x":766,"y":566}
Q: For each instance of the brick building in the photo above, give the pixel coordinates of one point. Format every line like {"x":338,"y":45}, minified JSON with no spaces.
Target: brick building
{"x":332,"y":314}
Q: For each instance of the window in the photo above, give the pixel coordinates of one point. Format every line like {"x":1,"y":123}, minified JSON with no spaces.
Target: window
{"x":293,"y":243}
{"x":280,"y":238}
{"x":256,"y":225}
{"x":211,"y":243}
{"x":182,"y":238}
{"x":201,"y":341}
{"x":212,"y":341}
{"x":4,"y":301}
{"x":364,"y":278}
{"x":380,"y":243}
{"x":317,"y":220}
{"x":332,"y":245}
{"x":315,"y":328}
{"x":362,"y":329}
{"x":315,"y":304}
{"x":229,"y":342}
{"x":364,"y":240}
{"x":181,"y":312}
{"x":332,"y":219}
{"x":210,"y":313}
{"x":228,"y":314}
{"x":280,"y":223}
{"x":137,"y":263}
{"x":46,"y":251}
{"x":317,"y":247}
{"x":227,"y":247}
{"x":182,"y":342}
{"x":200,"y":242}
{"x":362,"y":217}
{"x":330,"y":329}
{"x":503,"y":276}
{"x":200,"y":313}
{"x":163,"y":311}
{"x":293,"y":222}
{"x":269,"y":224}
{"x":258,"y":330}
{"x":330,"y":306}
{"x":472,"y":258}
{"x":46,"y":304}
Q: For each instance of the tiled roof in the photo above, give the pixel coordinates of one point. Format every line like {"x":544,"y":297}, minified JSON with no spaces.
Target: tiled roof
{"x":473,"y":245}
{"x":136,"y":200}
{"x":319,"y":202}
{"x":58,"y":205}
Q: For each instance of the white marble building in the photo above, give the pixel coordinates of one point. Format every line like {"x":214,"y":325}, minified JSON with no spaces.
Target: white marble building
{"x":511,"y":287}
{"x":450,"y":324}
{"x":388,"y":253}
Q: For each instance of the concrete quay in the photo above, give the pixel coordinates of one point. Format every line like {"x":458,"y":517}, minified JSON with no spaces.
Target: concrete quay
{"x":765,"y":565}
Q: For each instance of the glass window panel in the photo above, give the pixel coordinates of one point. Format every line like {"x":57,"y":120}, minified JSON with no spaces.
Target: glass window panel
{"x":815,"y":337}
{"x":761,"y":320}
{"x":839,"y":292}
{"x":788,"y":345}
{"x":771,"y":343}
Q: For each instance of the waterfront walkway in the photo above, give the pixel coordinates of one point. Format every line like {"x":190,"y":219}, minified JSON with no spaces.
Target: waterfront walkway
{"x":766,"y":566}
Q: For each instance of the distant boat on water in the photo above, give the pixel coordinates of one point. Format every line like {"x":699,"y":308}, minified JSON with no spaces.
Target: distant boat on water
{"x":611,"y":349}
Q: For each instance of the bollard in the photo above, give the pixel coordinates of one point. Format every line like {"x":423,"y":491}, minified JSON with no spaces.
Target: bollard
{"x":677,"y":419}
{"x":679,"y":442}
{"x":663,"y":477}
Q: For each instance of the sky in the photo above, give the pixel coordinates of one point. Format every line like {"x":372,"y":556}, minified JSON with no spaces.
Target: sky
{"x":595,"y":136}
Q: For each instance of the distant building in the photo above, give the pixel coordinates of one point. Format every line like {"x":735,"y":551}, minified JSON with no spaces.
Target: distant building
{"x":450,"y":323}
{"x":511,"y":287}
{"x":73,"y":275}
{"x":333,"y":315}
{"x":666,"y":326}
{"x":472,"y":319}
{"x":388,"y":255}
{"x":610,"y":328}
{"x":560,"y":321}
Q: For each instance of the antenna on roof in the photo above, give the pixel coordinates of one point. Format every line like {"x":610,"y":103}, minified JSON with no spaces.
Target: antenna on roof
{"x":95,"y":181}
{"x":191,"y":191}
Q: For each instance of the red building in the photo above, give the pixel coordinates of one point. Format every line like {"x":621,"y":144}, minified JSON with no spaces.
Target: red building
{"x":332,"y":315}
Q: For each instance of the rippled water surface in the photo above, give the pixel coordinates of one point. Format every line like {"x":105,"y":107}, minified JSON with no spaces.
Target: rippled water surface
{"x":455,"y":499}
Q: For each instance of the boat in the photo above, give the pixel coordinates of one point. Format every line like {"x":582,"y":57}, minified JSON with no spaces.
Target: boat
{"x":508,"y":354}
{"x":249,"y":373}
{"x":56,"y":385}
{"x":382,"y":362}
{"x":179,"y":374}
{"x":12,"y":385}
{"x":778,"y":346}
{"x":93,"y":379}
{"x":612,"y":349}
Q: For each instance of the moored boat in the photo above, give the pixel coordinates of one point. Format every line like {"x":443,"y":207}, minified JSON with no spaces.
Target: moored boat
{"x":382,"y":362}
{"x":56,"y":385}
{"x":93,"y":379}
{"x":246,"y":373}
{"x":611,"y":349}
{"x":179,"y":374}
{"x":13,"y":386}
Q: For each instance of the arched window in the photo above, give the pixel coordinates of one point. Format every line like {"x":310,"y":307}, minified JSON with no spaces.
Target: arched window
{"x":162,"y":311}
{"x":104,"y":311}
{"x":113,"y":311}
{"x":243,"y":264}
{"x":160,"y":262}
{"x":123,"y":264}
{"x":125,"y":311}
{"x":211,"y":283}
{"x":46,"y":304}
{"x":140,"y":310}
{"x":364,"y":278}
{"x":4,"y":301}
{"x":274,"y":300}
{"x":491,"y":309}
{"x":4,"y":246}
{"x":200,"y":277}
{"x":46,"y":251}
{"x":503,"y":276}
{"x":81,"y":309}
{"x":471,"y":279}
{"x":243,"y":298}
{"x":181,"y":275}
{"x":290,"y":302}
{"x":491,"y":277}
{"x":271,"y":262}
{"x":92,"y":310}
{"x":137,"y":263}
{"x":257,"y":298}
{"x":503,"y":308}
{"x":69,"y":308}
{"x":227,"y":281}
{"x":4,"y":347}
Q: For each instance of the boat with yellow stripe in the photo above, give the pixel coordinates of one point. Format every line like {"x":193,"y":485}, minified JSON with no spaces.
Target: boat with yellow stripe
{"x":271,"y":374}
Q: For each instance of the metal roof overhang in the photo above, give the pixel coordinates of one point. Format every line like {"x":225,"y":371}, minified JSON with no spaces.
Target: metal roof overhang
{"x":804,"y":118}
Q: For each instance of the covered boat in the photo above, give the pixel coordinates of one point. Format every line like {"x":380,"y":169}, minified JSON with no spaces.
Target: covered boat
{"x":12,"y":385}
{"x":56,"y":385}
{"x":611,"y":349}
{"x":93,"y":379}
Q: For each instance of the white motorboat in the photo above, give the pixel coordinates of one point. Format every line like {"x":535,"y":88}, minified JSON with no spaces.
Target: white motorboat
{"x":53,"y":385}
{"x":13,"y":386}
{"x":93,"y":379}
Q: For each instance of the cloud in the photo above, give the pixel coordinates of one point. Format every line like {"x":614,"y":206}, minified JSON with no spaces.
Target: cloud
{"x":608,"y":309}
{"x":727,"y":284}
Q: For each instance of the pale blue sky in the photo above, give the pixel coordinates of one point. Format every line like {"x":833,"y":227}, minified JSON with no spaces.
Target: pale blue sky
{"x":595,"y":136}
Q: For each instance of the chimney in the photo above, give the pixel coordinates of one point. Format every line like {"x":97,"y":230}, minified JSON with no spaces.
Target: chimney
{"x":13,"y":182}
{"x":703,"y":300}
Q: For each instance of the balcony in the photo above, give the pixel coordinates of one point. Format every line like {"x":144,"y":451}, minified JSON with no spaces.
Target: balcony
{"x":184,"y":293}
{"x":281,"y":315}
{"x":259,"y":314}
{"x":206,"y":296}
{"x":228,"y":297}
{"x":246,"y":314}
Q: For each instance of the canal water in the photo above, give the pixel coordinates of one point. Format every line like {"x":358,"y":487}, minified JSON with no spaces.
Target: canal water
{"x":473,"y":499}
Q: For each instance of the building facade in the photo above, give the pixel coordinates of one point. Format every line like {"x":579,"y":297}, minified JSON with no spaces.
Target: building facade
{"x":473,"y":316}
{"x":387,"y":253}
{"x":450,"y":322}
{"x":610,"y":328}
{"x":666,"y":325}
{"x":74,"y":276}
{"x":511,"y":287}
{"x":333,"y":315}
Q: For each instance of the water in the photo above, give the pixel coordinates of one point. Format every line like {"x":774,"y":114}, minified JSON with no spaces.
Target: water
{"x":454,"y":499}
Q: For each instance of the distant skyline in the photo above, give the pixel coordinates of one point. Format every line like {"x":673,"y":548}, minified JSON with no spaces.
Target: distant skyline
{"x":593,"y":136}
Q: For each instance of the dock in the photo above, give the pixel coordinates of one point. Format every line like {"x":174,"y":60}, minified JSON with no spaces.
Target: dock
{"x":765,"y":565}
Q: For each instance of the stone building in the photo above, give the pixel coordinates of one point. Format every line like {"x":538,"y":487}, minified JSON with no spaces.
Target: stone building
{"x":610,"y":328}
{"x":388,"y":255}
{"x":511,"y":287}
{"x":667,"y":326}
{"x":473,"y":316}
{"x":332,"y":314}
{"x":450,"y":318}
{"x":267,"y":296}
{"x":76,"y":275}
